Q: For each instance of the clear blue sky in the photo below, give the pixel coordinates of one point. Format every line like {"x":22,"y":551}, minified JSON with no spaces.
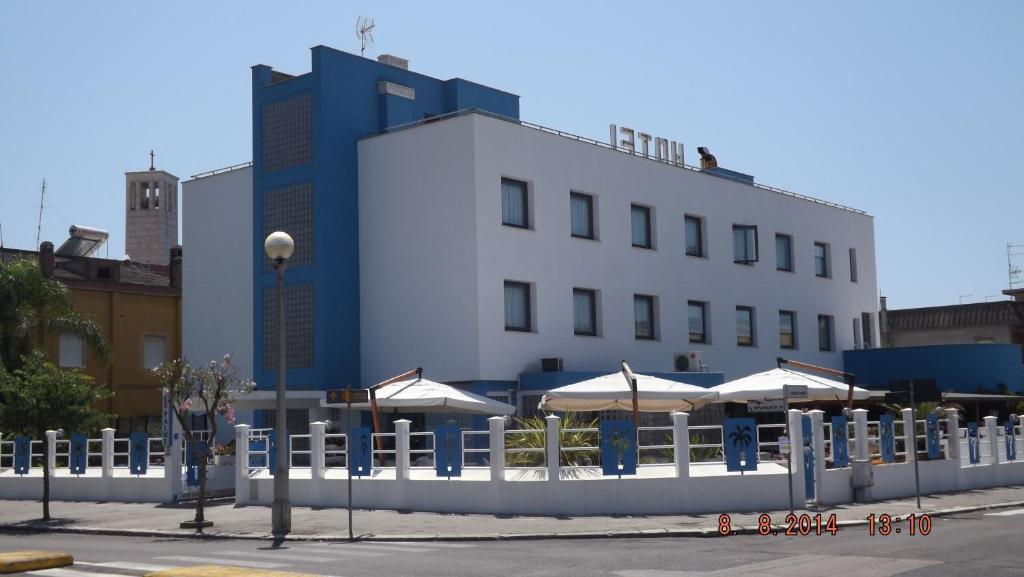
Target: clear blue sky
{"x":908,"y":110}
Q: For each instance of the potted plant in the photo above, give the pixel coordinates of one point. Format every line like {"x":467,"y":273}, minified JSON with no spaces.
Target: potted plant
{"x":224,"y":454}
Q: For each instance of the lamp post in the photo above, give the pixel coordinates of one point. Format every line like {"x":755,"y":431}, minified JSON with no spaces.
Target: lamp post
{"x":279,"y":246}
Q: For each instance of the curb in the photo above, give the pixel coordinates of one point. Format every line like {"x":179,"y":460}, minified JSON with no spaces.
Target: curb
{"x":21,"y":561}
{"x":708,"y":532}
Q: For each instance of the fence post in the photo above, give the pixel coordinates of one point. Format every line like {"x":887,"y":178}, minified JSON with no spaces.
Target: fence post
{"x":860,"y":431}
{"x":402,"y":449}
{"x":681,"y":442}
{"x":107,"y":457}
{"x":552,"y":442}
{"x":316,"y":449}
{"x":909,"y":435}
{"x":496,"y":426}
{"x":953,"y":434}
{"x":993,"y":437}
{"x":172,"y":459}
{"x":818,"y":442}
{"x":51,"y":451}
{"x":242,"y":464}
{"x":794,"y":428}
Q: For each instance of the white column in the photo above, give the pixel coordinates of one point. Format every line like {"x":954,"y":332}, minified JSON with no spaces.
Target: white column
{"x":172,"y":460}
{"x":552,"y":443}
{"x":496,"y":426}
{"x":242,"y":464}
{"x":108,"y":452}
{"x":796,"y":454}
{"x":993,"y":437}
{"x":909,"y":435}
{"x":953,"y":434}
{"x":860,"y":431}
{"x":818,"y":442}
{"x":316,"y":449}
{"x":402,"y":449}
{"x":681,"y":440}
{"x":51,"y":451}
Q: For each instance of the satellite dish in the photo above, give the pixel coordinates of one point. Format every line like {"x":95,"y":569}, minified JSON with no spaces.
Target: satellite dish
{"x":364,"y":32}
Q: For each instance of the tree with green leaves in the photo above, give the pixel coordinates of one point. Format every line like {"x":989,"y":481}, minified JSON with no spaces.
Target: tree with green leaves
{"x":39,"y":396}
{"x":210,"y":390}
{"x":32,"y":306}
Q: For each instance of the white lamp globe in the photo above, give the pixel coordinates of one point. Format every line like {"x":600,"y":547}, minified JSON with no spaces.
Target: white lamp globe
{"x":279,"y":246}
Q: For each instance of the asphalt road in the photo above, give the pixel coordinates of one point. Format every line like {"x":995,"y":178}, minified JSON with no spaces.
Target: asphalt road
{"x":983,"y":543}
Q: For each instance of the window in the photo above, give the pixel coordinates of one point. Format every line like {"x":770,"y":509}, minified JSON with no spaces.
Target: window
{"x":581,"y":212}
{"x":853,"y":265}
{"x":868,"y":327}
{"x":784,"y":252}
{"x":745,"y":326}
{"x":517,"y":306}
{"x":153,"y":351}
{"x":856,"y":333}
{"x":821,"y":260}
{"x":787,"y":329}
{"x":72,"y":351}
{"x":696,"y":318}
{"x":824,"y":333}
{"x":584,"y":308}
{"x":641,"y":219}
{"x":514,"y":203}
{"x":643,"y":313}
{"x":744,"y":244}
{"x":695,"y":236}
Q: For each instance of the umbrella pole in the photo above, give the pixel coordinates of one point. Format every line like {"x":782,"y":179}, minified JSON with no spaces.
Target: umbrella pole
{"x":631,"y":379}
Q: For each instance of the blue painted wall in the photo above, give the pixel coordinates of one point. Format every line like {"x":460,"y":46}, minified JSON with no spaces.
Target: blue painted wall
{"x":346,"y":106}
{"x":958,"y":368}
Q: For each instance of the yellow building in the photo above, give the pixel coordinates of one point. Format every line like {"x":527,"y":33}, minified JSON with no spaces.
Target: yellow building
{"x":138,"y":307}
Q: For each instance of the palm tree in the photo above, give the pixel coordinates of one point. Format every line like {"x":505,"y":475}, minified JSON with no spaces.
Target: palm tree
{"x":740,"y":436}
{"x":32,"y":306}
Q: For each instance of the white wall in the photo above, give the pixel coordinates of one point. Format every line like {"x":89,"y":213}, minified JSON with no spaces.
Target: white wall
{"x":413,"y":180}
{"x":217,"y":268}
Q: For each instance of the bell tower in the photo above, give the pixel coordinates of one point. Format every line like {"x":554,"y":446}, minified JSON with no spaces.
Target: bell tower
{"x":151,"y":214}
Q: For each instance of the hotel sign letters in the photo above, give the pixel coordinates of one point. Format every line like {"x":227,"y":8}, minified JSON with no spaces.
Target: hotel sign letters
{"x":634,"y":142}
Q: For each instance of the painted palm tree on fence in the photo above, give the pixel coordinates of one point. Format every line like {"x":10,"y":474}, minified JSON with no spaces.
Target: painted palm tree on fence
{"x":741,"y":437}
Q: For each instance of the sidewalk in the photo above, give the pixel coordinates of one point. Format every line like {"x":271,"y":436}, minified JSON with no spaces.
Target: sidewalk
{"x":331,"y":524}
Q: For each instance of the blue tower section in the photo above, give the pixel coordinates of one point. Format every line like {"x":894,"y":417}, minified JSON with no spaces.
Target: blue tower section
{"x":305,"y":131}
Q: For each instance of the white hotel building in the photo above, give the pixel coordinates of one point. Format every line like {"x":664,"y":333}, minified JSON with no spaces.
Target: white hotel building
{"x":486,"y":244}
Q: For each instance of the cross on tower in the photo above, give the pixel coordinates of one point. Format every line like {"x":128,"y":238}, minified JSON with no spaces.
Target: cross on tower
{"x":152,"y":159}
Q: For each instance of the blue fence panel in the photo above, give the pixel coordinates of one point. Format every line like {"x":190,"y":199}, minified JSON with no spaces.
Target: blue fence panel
{"x":739,"y":438}
{"x":973,"y":444}
{"x":618,"y":447}
{"x":808,"y":447}
{"x":1011,"y":441}
{"x":887,"y":438}
{"x":78,"y":449}
{"x":138,"y":453}
{"x":840,"y":443}
{"x":22,"y":455}
{"x":194,"y":452}
{"x":931,"y":431}
{"x":359,"y":463}
{"x":448,"y":450}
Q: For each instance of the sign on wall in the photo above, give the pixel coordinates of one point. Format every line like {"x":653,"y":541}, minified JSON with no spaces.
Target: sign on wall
{"x":887,"y":438}
{"x":973,"y":444}
{"x":448,"y":450}
{"x":138,"y":453}
{"x":618,"y":448}
{"x":773,"y":406}
{"x":931,"y":431}
{"x":78,"y":450}
{"x":740,"y":442}
{"x":1011,"y":441}
{"x":22,"y":455}
{"x":634,"y":142}
{"x":840,"y":442}
{"x":359,"y":452}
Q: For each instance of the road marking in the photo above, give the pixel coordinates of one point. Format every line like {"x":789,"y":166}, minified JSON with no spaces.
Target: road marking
{"x":1006,"y":513}
{"x":802,"y":565}
{"x":217,"y":561}
{"x":128,"y":565}
{"x":73,"y":573}
{"x":297,"y":555}
{"x":365,"y":547}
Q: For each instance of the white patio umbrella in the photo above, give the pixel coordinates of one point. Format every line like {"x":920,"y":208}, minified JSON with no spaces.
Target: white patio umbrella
{"x":768,"y":386}
{"x":612,"y":391}
{"x":419,"y":395}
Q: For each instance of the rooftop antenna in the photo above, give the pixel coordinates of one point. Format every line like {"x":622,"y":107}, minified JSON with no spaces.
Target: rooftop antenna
{"x":364,"y":32}
{"x":1013,"y":269}
{"x":39,"y":224}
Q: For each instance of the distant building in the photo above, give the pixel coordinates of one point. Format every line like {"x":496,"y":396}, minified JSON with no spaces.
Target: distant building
{"x":982,"y":323}
{"x":151,"y":215}
{"x":138,"y":308}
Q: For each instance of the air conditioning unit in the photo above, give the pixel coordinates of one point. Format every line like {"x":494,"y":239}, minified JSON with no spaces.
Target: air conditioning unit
{"x":690,"y":362}
{"x":551,"y":365}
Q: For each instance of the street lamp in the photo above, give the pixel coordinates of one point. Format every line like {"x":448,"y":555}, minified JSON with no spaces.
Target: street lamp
{"x":279,"y":246}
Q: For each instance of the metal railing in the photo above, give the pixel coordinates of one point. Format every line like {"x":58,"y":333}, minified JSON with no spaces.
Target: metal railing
{"x":221,"y":170}
{"x":659,"y":445}
{"x":336,"y":450}
{"x":608,"y":146}
{"x":259,"y":458}
{"x":779,"y":429}
{"x":703,"y":451}
{"x":528,"y":459}
{"x":300,"y":452}
{"x":469,"y":449}
{"x":385,"y":440}
{"x":422,"y":456}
